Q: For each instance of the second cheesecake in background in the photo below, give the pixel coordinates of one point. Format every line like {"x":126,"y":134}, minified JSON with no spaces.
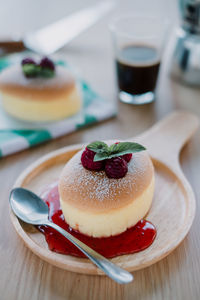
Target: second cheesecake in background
{"x":39,"y":92}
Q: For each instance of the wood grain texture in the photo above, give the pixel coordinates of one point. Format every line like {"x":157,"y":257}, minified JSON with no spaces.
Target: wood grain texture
{"x":172,"y":219}
{"x":25,"y":276}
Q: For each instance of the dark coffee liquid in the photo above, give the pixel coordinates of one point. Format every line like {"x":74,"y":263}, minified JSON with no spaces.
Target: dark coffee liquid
{"x":137,"y":69}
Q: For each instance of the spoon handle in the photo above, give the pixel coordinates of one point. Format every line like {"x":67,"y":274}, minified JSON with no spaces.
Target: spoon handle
{"x":110,"y":269}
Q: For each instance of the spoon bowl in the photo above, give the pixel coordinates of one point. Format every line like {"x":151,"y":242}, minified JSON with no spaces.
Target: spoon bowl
{"x":28,"y":206}
{"x":31,"y":209}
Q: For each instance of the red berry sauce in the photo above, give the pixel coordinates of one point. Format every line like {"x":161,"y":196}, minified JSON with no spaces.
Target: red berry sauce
{"x":134,"y":239}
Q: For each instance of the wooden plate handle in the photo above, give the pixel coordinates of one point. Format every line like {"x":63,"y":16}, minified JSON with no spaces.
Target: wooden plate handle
{"x":165,"y":139}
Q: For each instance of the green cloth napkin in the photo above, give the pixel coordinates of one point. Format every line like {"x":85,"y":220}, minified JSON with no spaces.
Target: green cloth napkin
{"x":16,"y":135}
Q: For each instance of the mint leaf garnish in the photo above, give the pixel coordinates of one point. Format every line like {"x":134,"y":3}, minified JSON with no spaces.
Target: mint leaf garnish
{"x":104,"y":152}
{"x":113,"y":148}
{"x":34,"y":70}
{"x":98,"y":147}
{"x":100,"y":156}
{"x":30,"y":70}
{"x":46,"y":73}
{"x":125,"y":148}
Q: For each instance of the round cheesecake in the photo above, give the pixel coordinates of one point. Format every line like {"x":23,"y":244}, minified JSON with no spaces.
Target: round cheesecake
{"x":99,"y":206}
{"x":39,"y":99}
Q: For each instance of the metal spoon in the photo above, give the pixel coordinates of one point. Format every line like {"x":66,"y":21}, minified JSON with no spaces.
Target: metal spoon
{"x":30,"y":208}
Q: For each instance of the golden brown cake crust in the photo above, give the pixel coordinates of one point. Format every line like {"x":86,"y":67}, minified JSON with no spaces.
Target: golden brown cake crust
{"x":14,"y":83}
{"x":95,"y":192}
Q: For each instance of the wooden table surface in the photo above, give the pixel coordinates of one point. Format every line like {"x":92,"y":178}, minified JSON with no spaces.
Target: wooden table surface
{"x":22,"y":274}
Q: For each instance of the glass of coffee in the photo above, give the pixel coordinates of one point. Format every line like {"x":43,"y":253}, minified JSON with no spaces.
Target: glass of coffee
{"x":138,"y":44}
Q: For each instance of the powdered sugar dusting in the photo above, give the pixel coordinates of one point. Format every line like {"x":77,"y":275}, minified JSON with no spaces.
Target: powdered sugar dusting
{"x":13,"y":76}
{"x":95,"y":186}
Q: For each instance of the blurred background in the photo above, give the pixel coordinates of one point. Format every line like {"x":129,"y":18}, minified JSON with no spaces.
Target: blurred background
{"x":20,"y":16}
{"x":91,"y":55}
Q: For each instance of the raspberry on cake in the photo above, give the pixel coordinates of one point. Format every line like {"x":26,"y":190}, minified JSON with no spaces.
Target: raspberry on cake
{"x":39,"y":92}
{"x":87,"y":159}
{"x":116,"y":167}
{"x":105,"y":202}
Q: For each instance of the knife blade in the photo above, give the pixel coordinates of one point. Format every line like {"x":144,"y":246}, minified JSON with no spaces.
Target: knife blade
{"x":51,"y":38}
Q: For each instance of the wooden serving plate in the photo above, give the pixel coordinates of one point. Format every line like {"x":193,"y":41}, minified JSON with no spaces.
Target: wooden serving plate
{"x":173,"y":206}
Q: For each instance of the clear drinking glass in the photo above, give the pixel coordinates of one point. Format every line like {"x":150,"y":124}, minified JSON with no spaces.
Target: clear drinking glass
{"x":138,"y":45}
